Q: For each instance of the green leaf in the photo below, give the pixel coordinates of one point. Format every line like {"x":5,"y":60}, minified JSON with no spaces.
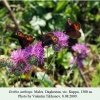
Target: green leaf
{"x":46,"y":79}
{"x":3,"y":11}
{"x":60,"y":5}
{"x":98,"y":67}
{"x":95,"y":81}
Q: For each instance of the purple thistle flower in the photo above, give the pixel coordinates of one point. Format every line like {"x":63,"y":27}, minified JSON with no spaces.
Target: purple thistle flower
{"x":63,"y":39}
{"x":80,"y":51}
{"x":27,"y":51}
{"x":18,"y":55}
{"x":23,"y":67}
{"x":57,"y":47}
{"x":38,"y":51}
{"x":19,"y":58}
{"x":77,"y":60}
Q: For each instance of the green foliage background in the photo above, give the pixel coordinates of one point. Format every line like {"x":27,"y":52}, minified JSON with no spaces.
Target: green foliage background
{"x":52,"y":15}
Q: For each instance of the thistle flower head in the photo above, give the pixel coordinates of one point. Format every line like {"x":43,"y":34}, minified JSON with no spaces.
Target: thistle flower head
{"x":20,"y":60}
{"x":80,"y":51}
{"x":18,"y":56}
{"x":27,"y":52}
{"x":38,"y":51}
{"x":63,"y":39}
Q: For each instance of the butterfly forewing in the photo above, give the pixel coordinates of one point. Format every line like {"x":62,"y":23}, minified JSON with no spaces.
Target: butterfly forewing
{"x":48,"y":39}
{"x":30,"y":39}
{"x":55,"y":39}
{"x":24,"y":40}
{"x":73,"y":29}
{"x":20,"y":34}
{"x":77,"y":26}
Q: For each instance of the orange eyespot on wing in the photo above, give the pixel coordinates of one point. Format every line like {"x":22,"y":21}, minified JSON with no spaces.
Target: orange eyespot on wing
{"x":77,"y":26}
{"x":55,"y":39}
{"x":20,"y":34}
{"x":72,"y":29}
{"x":29,"y":38}
{"x":48,"y":39}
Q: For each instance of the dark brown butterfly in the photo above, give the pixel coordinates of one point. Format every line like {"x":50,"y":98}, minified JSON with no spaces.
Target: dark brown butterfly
{"x":48,"y":39}
{"x":72,"y":29}
{"x":24,"y":40}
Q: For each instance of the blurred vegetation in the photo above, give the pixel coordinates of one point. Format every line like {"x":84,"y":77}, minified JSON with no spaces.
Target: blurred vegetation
{"x":48,"y":16}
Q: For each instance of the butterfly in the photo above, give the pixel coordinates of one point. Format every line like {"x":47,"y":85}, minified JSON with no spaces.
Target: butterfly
{"x":48,"y":39}
{"x":72,"y":29}
{"x":24,"y":40}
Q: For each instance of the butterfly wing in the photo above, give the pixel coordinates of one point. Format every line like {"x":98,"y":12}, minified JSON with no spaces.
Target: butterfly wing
{"x":73,"y":29}
{"x":29,"y":40}
{"x":21,"y":39}
{"x":24,"y":40}
{"x":48,"y":39}
{"x":55,"y":39}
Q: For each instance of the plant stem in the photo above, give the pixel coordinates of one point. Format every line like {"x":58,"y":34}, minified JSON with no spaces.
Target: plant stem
{"x":36,"y":71}
{"x":49,"y":66}
{"x":83,"y":77}
{"x":11,"y":14}
{"x":20,"y":81}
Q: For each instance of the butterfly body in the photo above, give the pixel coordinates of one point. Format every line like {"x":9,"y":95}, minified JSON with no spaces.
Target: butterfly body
{"x":48,"y":39}
{"x":72,"y":29}
{"x":24,"y":40}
